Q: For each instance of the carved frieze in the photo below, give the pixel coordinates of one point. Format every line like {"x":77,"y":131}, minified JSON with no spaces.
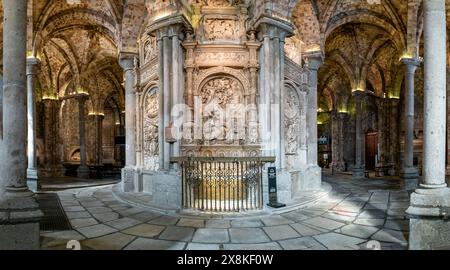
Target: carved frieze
{"x":297,"y":74}
{"x":237,"y":58}
{"x":221,"y":30}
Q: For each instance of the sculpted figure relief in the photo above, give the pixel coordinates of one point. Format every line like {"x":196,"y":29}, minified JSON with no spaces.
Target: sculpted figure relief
{"x":217,"y":94}
{"x":292,"y":121}
{"x":221,"y":30}
{"x":151,"y":130}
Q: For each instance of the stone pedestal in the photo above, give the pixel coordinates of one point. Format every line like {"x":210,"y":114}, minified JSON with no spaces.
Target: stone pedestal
{"x":429,"y":225}
{"x":410,"y":176}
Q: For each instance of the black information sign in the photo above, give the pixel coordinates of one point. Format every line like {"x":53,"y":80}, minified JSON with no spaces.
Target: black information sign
{"x":273,"y":199}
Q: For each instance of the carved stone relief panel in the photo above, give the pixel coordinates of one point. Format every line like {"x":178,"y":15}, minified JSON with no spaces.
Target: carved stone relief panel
{"x":294,"y":126}
{"x":222,"y":116}
{"x":221,"y":29}
{"x":150,"y":49}
{"x":151,"y":130}
{"x":236,"y":58}
{"x":292,"y":121}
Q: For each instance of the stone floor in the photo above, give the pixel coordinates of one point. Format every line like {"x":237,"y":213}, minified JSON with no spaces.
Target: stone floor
{"x":62,"y":183}
{"x":355,"y":212}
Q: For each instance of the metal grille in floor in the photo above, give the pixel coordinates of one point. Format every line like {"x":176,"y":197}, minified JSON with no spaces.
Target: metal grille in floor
{"x":55,"y":218}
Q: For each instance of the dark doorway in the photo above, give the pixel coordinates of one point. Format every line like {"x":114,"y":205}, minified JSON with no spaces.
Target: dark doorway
{"x":371,"y":150}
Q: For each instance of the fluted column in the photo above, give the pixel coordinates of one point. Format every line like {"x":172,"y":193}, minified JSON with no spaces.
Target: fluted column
{"x":429,"y":228}
{"x":19,"y":212}
{"x":32,"y":172}
{"x":409,"y":173}
{"x":83,"y":170}
{"x":359,"y":168}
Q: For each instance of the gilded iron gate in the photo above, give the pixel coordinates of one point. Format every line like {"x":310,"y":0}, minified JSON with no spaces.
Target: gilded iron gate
{"x":222,"y":184}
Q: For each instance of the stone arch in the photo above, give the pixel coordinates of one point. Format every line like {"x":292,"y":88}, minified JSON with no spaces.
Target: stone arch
{"x":135,"y":13}
{"x":204,"y":76}
{"x":80,"y":18}
{"x":305,"y":18}
{"x":369,"y":18}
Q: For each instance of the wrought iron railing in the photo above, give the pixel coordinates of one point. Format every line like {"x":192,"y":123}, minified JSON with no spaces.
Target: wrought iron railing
{"x":222,"y":184}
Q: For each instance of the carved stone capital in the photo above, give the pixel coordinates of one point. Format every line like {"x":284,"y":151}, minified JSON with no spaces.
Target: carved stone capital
{"x":33,"y":64}
{"x":411,"y":64}
{"x":314,"y":60}
{"x":127,"y":61}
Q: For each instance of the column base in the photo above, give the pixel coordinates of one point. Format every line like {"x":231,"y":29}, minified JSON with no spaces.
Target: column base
{"x":129,"y":179}
{"x":429,"y":228}
{"x":338,"y":166}
{"x":359,"y":173}
{"x":313,"y":180}
{"x":410,"y":175}
{"x":33,"y":180}
{"x":19,"y":221}
{"x":83,"y":172}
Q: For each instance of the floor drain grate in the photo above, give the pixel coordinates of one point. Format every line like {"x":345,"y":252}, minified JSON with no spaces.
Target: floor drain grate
{"x":55,"y":218}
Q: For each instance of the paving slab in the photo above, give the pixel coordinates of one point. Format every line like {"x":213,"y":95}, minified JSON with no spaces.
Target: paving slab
{"x":96,"y":230}
{"x":303,"y":243}
{"x":336,"y":241}
{"x":123,"y":223}
{"x":115,"y":241}
{"x":175,"y":233}
{"x":216,"y":236}
{"x":281,"y":232}
{"x":153,"y":244}
{"x":248,"y":235}
{"x":145,"y":230}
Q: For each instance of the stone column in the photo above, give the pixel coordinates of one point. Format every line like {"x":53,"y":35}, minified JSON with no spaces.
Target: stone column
{"x":83,"y":170}
{"x":359,"y":168}
{"x":394,"y":141}
{"x":430,"y":203}
{"x":338,"y":127}
{"x":19,"y":212}
{"x":32,"y":171}
{"x":99,"y":141}
{"x":383,"y":131}
{"x":409,"y":173}
{"x":315,"y":61}
{"x":171,"y":86}
{"x":127,"y":62}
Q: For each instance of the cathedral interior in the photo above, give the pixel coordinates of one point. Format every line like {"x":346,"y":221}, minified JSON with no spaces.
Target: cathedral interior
{"x":224,"y":124}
